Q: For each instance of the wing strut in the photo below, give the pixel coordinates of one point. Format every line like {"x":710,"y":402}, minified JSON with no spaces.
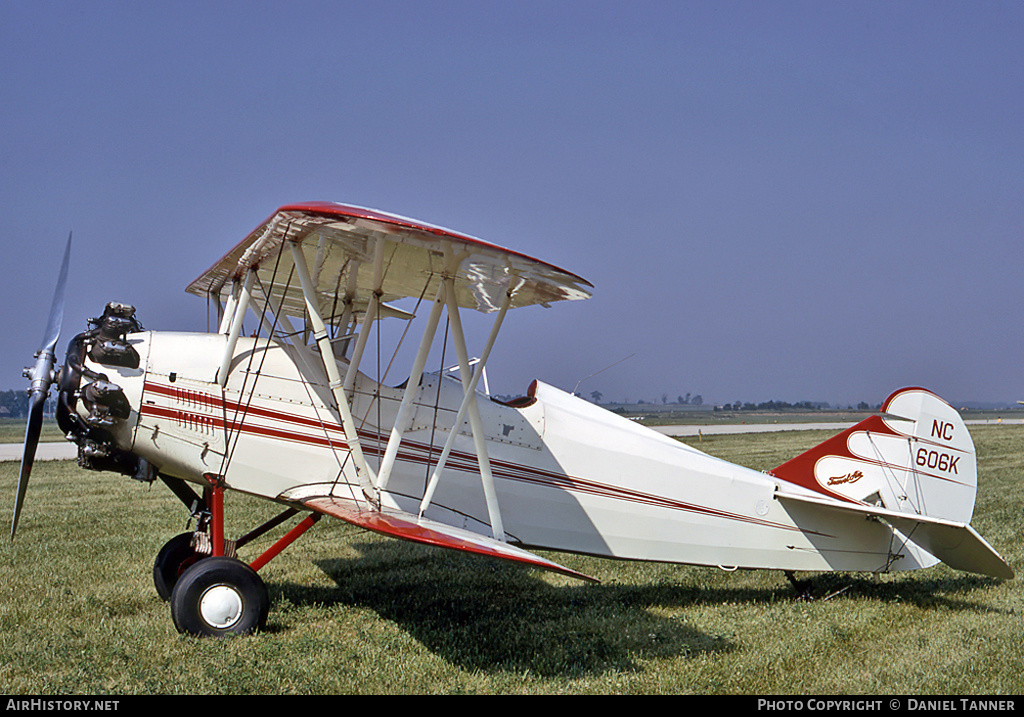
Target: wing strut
{"x":323,"y":340}
{"x":225,"y":312}
{"x":469,"y":383}
{"x":238,"y":315}
{"x":412,"y":388}
{"x":372,"y":308}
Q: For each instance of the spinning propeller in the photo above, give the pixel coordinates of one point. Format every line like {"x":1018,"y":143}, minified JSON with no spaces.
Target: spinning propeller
{"x":42,"y":375}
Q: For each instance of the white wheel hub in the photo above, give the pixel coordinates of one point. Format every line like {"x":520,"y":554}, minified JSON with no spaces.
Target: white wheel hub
{"x":220,"y":606}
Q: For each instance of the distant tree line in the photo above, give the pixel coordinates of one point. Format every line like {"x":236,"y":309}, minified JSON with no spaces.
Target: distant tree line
{"x":13,"y":404}
{"x":784,"y":405}
{"x":687,"y":400}
{"x":690,"y":399}
{"x":773,"y":406}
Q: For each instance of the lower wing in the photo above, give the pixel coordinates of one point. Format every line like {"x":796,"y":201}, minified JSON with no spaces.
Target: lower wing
{"x":399,"y":524}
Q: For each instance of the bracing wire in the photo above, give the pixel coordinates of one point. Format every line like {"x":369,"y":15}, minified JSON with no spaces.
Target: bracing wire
{"x":231,"y":437}
{"x":437,"y":402}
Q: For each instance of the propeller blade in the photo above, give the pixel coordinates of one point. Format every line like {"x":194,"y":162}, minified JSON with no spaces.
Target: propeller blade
{"x":53,"y":325}
{"x":41,"y":376}
{"x":37,"y":401}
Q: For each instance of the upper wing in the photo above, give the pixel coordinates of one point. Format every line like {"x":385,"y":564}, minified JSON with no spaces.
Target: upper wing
{"x":353,"y":252}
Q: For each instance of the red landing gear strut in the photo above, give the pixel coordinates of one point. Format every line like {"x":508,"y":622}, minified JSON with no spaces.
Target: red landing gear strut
{"x":211,"y":591}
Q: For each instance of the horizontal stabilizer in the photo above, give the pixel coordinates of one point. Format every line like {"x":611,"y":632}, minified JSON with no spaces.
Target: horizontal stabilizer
{"x":958,"y":545}
{"x":399,"y":524}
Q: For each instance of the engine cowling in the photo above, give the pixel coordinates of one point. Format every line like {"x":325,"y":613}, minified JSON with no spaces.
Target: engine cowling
{"x":92,"y":409}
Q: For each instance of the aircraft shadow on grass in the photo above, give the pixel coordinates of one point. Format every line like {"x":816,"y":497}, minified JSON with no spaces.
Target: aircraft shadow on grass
{"x":484,"y":614}
{"x":488,"y":615}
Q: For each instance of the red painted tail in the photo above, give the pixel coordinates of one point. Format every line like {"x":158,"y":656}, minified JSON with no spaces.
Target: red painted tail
{"x":916,"y":458}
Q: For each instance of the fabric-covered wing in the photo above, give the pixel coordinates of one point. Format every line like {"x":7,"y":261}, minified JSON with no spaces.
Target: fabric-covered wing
{"x":354,"y":252}
{"x":405,"y":526}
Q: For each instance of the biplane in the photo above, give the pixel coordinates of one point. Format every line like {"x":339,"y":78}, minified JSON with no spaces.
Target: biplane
{"x":285,"y":410}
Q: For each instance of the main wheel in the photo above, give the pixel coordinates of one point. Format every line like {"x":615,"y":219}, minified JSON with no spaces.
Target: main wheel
{"x":218,"y":597}
{"x":174,"y":558}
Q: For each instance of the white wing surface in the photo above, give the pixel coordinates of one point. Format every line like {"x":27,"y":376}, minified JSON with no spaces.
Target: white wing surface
{"x":357,"y":252}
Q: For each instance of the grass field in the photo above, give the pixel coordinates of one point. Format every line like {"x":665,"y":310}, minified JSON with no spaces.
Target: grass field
{"x":354,"y":613}
{"x":12,"y":430}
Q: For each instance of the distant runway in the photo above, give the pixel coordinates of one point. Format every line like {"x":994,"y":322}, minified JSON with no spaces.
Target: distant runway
{"x":65,"y":450}
{"x":61,"y":451}
{"x":682,"y":431}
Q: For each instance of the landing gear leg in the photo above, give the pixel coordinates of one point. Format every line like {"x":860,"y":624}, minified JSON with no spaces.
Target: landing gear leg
{"x":213,"y":593}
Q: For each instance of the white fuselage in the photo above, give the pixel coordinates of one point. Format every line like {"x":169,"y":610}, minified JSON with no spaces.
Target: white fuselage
{"x":569,"y":476}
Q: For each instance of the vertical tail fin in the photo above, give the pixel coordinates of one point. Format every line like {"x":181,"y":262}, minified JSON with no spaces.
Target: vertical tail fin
{"x":917,"y":458}
{"x":912,"y":467}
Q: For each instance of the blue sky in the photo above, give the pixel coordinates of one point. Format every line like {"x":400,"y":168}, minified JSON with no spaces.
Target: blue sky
{"x":774,"y":200}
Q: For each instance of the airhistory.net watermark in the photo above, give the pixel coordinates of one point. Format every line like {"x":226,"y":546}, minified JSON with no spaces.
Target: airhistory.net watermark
{"x":48,"y":704}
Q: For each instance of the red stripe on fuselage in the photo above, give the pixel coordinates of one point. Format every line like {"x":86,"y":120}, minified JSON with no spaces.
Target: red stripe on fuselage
{"x":416,"y":452}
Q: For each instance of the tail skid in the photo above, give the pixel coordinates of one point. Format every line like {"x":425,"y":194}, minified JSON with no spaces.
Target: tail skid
{"x":913,"y":468}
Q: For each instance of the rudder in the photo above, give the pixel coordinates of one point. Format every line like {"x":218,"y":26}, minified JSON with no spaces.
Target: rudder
{"x":916,"y":458}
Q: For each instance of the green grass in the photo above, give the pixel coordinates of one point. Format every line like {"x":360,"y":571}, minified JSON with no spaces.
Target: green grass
{"x":12,"y":430}
{"x":355,"y":613}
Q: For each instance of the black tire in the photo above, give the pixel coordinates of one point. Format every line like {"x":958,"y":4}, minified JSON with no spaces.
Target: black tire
{"x":218,"y":597}
{"x":174,"y":558}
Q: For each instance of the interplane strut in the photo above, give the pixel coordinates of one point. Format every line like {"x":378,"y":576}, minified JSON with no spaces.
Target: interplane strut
{"x":341,"y":381}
